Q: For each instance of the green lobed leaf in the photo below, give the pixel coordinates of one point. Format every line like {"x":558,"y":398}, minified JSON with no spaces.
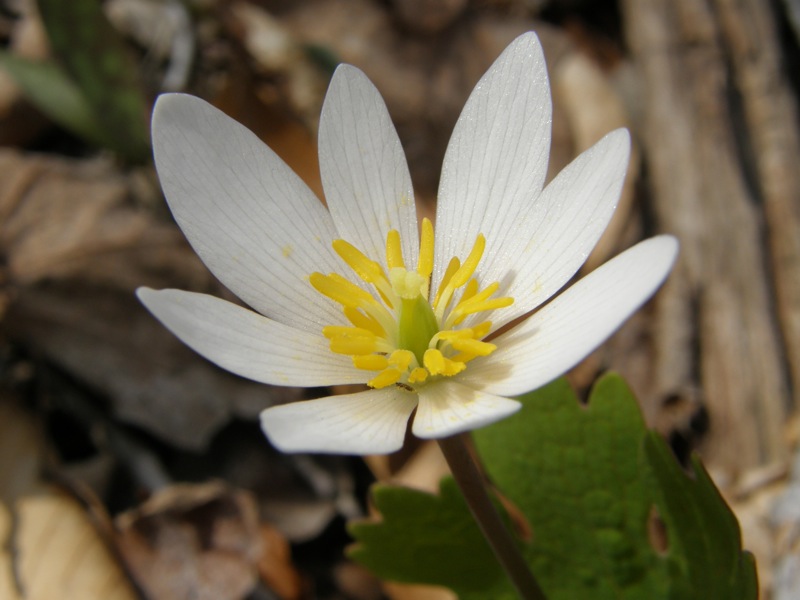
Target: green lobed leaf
{"x":587,"y":478}
{"x":704,"y":537}
{"x":96,"y":59}
{"x":425,"y":538}
{"x":575,"y":472}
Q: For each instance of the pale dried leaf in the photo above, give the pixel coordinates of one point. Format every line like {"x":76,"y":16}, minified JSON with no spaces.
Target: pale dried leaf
{"x":60,"y":554}
{"x":423,"y":470}
{"x":193,"y":541}
{"x":48,"y":547}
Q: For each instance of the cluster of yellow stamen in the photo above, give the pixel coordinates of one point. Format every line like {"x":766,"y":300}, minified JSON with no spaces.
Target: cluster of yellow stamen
{"x":398,"y":332}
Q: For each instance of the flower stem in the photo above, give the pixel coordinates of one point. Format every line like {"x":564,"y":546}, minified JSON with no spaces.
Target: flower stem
{"x":470,"y":480}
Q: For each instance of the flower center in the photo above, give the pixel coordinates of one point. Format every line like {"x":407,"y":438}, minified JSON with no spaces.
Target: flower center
{"x":397,"y":331}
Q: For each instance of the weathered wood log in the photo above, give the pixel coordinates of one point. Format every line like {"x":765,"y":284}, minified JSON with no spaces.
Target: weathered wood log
{"x":718,"y":132}
{"x":773,"y":129}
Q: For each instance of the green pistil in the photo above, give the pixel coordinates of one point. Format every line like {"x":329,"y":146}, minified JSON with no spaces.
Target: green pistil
{"x":417,"y":325}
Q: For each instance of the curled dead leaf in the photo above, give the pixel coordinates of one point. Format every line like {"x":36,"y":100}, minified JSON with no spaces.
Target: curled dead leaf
{"x":193,"y":541}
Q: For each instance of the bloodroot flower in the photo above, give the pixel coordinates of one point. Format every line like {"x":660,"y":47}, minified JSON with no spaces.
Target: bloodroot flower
{"x":359,"y":293}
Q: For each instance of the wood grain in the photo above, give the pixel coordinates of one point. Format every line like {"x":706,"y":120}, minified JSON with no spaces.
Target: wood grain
{"x":719,"y":338}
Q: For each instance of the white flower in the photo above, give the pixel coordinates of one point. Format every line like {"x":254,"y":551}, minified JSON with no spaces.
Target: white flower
{"x":357,"y":293}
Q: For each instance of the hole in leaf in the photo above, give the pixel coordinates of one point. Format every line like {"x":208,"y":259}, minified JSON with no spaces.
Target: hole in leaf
{"x":519,"y":522}
{"x":657,"y":532}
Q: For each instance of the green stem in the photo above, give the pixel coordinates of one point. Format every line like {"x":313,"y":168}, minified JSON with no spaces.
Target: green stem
{"x":470,"y":480}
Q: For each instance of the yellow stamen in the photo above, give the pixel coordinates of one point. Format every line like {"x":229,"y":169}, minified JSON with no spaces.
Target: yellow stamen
{"x":433,"y":361}
{"x":460,"y":276}
{"x":466,"y":341}
{"x":401,"y":359}
{"x":395,"y":327}
{"x":438,"y":364}
{"x":466,"y":271}
{"x":452,"y":267}
{"x":453,"y":334}
{"x":476,"y":296}
{"x":463,"y":357}
{"x":362,"y":321}
{"x":338,"y":289}
{"x":353,"y":346}
{"x":453,"y":367}
{"x":333,"y":331}
{"x":371,"y":362}
{"x":353,"y":340}
{"x":369,"y":270}
{"x":470,"y":290}
{"x":382,"y":316}
{"x":457,"y":316}
{"x":425,"y":262}
{"x":394,"y":251}
{"x":385,"y":378}
{"x":475,"y":347}
{"x":418,"y":375}
{"x":480,"y":330}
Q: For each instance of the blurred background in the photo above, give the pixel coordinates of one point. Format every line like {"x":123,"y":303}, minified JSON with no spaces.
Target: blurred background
{"x":132,"y":468}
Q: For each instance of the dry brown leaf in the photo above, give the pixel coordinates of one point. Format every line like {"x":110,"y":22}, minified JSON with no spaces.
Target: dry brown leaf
{"x":107,"y":339}
{"x":406,"y":591}
{"x":428,"y":16}
{"x":424,"y":80}
{"x":193,"y":541}
{"x":75,"y":249}
{"x":275,"y":564}
{"x":48,"y":546}
{"x":60,"y":555}
{"x":292,"y":77}
{"x":62,"y":218}
{"x":356,"y":581}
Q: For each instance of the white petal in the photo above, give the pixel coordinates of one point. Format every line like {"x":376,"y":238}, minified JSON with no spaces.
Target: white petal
{"x":371,"y":422}
{"x":254,"y":223}
{"x":545,"y":248}
{"x":447,"y":407}
{"x":497,"y":157}
{"x":248,"y":344}
{"x":562,"y":333}
{"x":363,"y":167}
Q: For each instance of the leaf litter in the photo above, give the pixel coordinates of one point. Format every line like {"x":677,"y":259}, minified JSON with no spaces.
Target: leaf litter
{"x":164,"y":444}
